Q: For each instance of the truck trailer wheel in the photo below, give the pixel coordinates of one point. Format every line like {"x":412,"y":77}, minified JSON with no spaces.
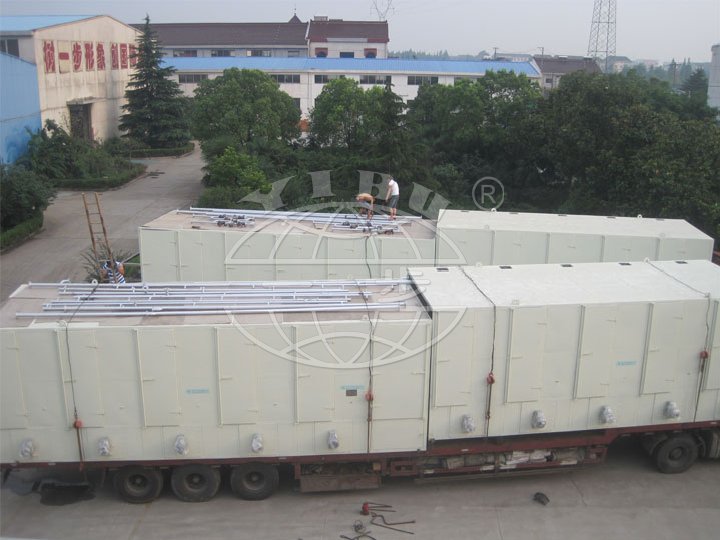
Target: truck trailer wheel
{"x":676,"y":454}
{"x":195,"y":483}
{"x":138,"y":485}
{"x":254,"y":481}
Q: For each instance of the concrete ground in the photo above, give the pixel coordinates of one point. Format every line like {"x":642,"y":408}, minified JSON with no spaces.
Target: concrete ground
{"x":56,"y":252}
{"x":623,"y":498}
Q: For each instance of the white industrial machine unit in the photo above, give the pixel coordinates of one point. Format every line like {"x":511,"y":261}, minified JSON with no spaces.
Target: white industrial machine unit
{"x":206,"y":244}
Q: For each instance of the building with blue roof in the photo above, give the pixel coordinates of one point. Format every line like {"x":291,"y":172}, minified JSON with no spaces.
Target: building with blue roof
{"x":303,"y":78}
{"x":82,"y":64}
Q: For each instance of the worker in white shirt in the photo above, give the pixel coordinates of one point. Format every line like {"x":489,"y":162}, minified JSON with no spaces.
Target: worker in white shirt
{"x":393,"y":194}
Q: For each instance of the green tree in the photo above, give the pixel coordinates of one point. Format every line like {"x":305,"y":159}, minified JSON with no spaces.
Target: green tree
{"x":696,"y":86}
{"x":234,"y":169}
{"x":245,"y":106}
{"x":338,"y":116}
{"x":155,"y":108}
{"x":622,"y":145}
{"x":24,"y":194}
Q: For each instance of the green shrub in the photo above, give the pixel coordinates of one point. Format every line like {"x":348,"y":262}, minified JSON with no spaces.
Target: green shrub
{"x":18,"y":234}
{"x":222,"y":197}
{"x":53,"y":153}
{"x":24,"y":194}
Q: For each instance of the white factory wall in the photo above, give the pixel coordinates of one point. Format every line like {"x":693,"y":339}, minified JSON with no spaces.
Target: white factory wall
{"x":102,"y":89}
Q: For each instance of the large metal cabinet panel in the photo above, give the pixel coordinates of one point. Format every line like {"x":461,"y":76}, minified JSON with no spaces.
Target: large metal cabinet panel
{"x":398,"y":253}
{"x":674,"y":249}
{"x":596,"y":350}
{"x":13,"y":413}
{"x":41,"y":370}
{"x":190,"y":255}
{"x":349,"y":257}
{"x":119,"y":376}
{"x":400,"y":370}
{"x":201,"y":255}
{"x":524,"y":371}
{"x":301,"y":256}
{"x":463,"y":246}
{"x":158,"y":259}
{"x":574,"y":248}
{"x":250,"y":256}
{"x":455,"y":334}
{"x":85,"y":387}
{"x":629,"y":248}
{"x":197,"y":380}
{"x":520,"y":247}
{"x":158,"y":371}
{"x":238,"y":377}
{"x":662,"y":353}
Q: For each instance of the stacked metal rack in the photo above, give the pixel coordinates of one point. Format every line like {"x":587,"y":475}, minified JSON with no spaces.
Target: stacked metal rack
{"x":346,"y":221}
{"x":158,"y":299}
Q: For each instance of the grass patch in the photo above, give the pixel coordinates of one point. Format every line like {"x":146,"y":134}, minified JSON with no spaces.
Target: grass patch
{"x":106,"y":182}
{"x":21,"y":232}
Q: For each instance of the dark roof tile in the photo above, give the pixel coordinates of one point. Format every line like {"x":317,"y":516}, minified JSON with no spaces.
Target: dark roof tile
{"x":230,"y":34}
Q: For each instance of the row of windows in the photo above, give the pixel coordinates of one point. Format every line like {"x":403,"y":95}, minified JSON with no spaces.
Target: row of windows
{"x":375,"y":79}
{"x":191,"y":78}
{"x":322,"y":52}
{"x":10,"y":46}
{"x":417,"y":80}
{"x":294,"y":78}
{"x":286,"y":78}
{"x":215,"y":53}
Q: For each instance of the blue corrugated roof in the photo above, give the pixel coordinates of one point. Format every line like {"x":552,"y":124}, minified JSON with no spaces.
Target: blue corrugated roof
{"x":27,"y":23}
{"x":350,"y":65}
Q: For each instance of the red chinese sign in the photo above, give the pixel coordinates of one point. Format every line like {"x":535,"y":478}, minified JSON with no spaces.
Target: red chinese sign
{"x":100,"y":56}
{"x":123,"y":55}
{"x":133,"y":55}
{"x":89,"y":56}
{"x":49,"y":56}
{"x":76,"y":56}
{"x":115,"y":56}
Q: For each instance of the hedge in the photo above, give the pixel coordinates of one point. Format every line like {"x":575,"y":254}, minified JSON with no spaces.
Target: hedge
{"x":108,"y":182}
{"x":157,"y":152}
{"x":21,"y":232}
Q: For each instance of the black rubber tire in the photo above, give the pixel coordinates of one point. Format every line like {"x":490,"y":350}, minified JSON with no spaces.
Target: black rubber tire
{"x":676,"y":454}
{"x":195,"y":483}
{"x":254,"y":481}
{"x":138,"y":485}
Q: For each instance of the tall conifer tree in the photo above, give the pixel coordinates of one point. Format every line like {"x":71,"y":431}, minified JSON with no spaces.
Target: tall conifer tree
{"x":155,"y":112}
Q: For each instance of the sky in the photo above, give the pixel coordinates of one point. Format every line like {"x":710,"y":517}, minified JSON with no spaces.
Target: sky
{"x":646,"y":29}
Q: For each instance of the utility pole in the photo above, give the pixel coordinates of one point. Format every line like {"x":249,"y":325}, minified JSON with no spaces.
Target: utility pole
{"x":603,"y":32}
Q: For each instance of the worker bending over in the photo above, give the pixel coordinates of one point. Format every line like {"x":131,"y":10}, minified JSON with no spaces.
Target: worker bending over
{"x":366,"y":204}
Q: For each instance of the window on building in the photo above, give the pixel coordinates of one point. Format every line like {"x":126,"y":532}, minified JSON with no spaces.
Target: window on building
{"x":417,"y":80}
{"x":321,"y":52}
{"x":548,"y":80}
{"x":370,"y":53}
{"x":184,"y":53}
{"x":347,"y":54}
{"x":375,"y":79}
{"x":219,"y":52}
{"x":286,"y":78}
{"x":293,"y":53}
{"x":296,"y":101}
{"x":191,"y":78}
{"x":10,"y":46}
{"x":261,"y":52}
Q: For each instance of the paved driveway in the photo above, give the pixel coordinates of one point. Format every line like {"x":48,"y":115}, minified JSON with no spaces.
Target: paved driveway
{"x":56,"y":252}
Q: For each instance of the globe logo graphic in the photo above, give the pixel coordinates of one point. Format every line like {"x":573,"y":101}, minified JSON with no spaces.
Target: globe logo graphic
{"x":352,"y":341}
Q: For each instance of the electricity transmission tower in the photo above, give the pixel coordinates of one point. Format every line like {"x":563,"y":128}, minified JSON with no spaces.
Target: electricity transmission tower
{"x":602,"y":32}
